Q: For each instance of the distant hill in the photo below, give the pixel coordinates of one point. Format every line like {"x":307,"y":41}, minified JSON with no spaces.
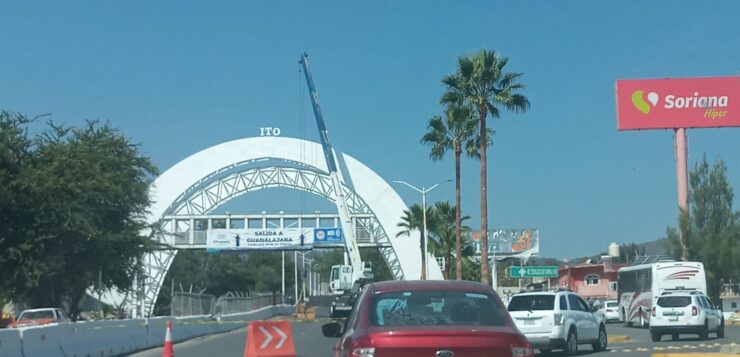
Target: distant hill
{"x":656,"y":247}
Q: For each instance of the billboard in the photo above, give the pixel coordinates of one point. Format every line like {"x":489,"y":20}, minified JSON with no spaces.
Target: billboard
{"x":259,"y":239}
{"x":708,"y":102}
{"x":327,"y":236}
{"x":510,"y":242}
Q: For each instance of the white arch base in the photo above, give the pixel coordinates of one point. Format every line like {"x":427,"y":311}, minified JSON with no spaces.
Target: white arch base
{"x":188,"y":188}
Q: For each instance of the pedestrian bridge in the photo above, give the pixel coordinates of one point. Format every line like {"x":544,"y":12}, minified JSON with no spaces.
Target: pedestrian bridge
{"x":186,"y":196}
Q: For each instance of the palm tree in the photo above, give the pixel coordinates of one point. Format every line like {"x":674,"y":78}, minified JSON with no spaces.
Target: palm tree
{"x":455,"y":132}
{"x":481,"y":82}
{"x":444,"y":237}
{"x":412,"y":220}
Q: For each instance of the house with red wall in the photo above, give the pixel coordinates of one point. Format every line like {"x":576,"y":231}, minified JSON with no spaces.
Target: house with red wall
{"x":594,"y":280}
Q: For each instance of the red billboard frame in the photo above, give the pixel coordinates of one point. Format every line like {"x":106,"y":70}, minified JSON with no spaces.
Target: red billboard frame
{"x":702,"y":102}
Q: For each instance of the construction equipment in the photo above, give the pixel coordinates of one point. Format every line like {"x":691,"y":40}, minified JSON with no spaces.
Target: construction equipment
{"x":346,"y":280}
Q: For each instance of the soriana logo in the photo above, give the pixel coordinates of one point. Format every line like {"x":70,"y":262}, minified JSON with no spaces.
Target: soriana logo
{"x":678,"y":103}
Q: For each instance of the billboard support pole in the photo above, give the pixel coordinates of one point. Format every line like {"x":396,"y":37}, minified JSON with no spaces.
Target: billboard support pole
{"x":683,"y":186}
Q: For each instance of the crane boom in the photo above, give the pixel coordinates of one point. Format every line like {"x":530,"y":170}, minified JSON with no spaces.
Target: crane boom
{"x":350,"y":243}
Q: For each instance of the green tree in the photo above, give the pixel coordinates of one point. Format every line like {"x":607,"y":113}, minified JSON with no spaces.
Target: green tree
{"x":78,"y":197}
{"x":19,"y":263}
{"x":443,"y":237}
{"x":412,"y":220}
{"x":457,"y":131}
{"x":481,"y":82}
{"x":711,"y":230}
{"x":92,"y":193}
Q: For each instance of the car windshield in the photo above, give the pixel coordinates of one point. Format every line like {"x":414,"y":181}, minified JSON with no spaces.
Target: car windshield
{"x":532,"y":302}
{"x":37,"y":315}
{"x":612,"y":304}
{"x":436,"y":308}
{"x":674,"y":301}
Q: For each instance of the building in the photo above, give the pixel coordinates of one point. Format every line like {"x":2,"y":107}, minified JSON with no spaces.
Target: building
{"x":596,"y":280}
{"x":730,"y":297}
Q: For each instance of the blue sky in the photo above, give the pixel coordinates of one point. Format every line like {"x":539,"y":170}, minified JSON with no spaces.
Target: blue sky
{"x":179,"y":77}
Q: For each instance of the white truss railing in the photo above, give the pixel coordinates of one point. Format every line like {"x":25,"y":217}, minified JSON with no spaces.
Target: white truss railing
{"x":201,"y":199}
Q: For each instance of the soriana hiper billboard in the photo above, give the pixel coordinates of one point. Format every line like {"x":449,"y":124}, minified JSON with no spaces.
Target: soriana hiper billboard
{"x":678,"y":103}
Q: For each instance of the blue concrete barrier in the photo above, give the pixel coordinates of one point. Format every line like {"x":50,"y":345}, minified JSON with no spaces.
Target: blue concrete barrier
{"x":10,"y":343}
{"x":120,"y":337}
{"x":41,"y":341}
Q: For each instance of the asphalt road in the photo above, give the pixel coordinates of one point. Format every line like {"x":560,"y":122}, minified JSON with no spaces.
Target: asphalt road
{"x":310,"y":343}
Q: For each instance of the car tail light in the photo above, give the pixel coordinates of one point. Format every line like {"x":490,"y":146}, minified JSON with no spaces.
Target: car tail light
{"x":363,"y":347}
{"x":609,"y":310}
{"x":694,"y":310}
{"x":558,"y":319}
{"x":521,"y":352}
{"x":653,"y":311}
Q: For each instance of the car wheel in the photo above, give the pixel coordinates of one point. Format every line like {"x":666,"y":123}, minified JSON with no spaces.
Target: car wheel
{"x":571,"y":344}
{"x":721,"y":329}
{"x":656,"y":337}
{"x":600,"y":344}
{"x":674,"y":337}
{"x":626,"y":319}
{"x":704,"y":334}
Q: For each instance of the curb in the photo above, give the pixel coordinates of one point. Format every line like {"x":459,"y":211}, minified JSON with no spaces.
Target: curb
{"x":618,"y":338}
{"x":691,"y":355}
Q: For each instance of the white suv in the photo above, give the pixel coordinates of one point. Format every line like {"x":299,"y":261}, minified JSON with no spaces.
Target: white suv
{"x":557,"y":320}
{"x":688,"y":312}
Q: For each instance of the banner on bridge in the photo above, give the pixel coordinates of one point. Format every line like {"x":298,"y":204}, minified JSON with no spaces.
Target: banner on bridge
{"x":260,"y":239}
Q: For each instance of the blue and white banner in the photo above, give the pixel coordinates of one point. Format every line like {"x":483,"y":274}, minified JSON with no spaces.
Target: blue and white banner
{"x":328,"y":235}
{"x":260,"y":239}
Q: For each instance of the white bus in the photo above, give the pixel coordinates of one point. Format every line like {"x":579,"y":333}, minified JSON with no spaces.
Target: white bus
{"x":640,"y":285}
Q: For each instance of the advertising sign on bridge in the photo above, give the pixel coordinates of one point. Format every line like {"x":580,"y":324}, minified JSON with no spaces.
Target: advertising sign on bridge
{"x":327,"y":235}
{"x":260,"y":239}
{"x":678,"y":103}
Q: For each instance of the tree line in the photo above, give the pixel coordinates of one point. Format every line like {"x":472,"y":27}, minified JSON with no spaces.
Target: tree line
{"x":710,"y":229}
{"x":72,"y":211}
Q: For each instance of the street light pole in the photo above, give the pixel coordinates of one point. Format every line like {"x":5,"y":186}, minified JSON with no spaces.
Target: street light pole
{"x":423,"y":192}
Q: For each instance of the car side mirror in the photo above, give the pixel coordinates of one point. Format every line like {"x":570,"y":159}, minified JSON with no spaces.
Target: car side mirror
{"x":594,"y":308}
{"x":332,"y":329}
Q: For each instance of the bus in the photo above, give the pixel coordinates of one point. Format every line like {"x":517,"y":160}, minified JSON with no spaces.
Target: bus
{"x":639,"y":285}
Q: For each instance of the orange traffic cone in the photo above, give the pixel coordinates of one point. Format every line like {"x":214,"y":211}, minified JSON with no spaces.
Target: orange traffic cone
{"x":168,"y":351}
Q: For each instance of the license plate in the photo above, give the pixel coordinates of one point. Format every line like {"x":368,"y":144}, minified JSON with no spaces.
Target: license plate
{"x":673,"y":319}
{"x":528,"y":322}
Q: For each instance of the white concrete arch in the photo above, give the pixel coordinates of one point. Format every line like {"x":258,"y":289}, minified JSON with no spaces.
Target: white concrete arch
{"x":178,"y":182}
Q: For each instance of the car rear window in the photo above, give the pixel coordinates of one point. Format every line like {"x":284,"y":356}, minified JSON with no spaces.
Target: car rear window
{"x":532,"y":303}
{"x":437,"y":308}
{"x":36,"y":315}
{"x":674,"y":301}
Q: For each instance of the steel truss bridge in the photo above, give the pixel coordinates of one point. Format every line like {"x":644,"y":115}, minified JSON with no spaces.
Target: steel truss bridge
{"x":186,"y":195}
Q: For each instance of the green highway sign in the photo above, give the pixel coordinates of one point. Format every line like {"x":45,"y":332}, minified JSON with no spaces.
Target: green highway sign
{"x":546,"y":271}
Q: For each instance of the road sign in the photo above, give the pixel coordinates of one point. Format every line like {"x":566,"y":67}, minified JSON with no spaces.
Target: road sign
{"x":327,"y":235}
{"x":269,"y":338}
{"x":546,"y":271}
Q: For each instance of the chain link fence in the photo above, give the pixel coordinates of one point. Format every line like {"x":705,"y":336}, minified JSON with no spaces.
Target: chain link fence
{"x":189,"y":304}
{"x":231,"y":303}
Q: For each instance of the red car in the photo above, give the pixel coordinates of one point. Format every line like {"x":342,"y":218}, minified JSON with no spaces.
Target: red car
{"x":428,"y":318}
{"x":35,"y":317}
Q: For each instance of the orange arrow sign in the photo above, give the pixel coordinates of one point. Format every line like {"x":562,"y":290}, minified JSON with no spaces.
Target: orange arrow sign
{"x":269,"y":338}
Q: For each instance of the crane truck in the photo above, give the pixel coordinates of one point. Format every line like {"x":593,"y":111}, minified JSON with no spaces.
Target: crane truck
{"x":345,"y":280}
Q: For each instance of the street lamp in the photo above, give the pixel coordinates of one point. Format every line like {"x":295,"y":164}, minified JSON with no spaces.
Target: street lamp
{"x":423,"y":192}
